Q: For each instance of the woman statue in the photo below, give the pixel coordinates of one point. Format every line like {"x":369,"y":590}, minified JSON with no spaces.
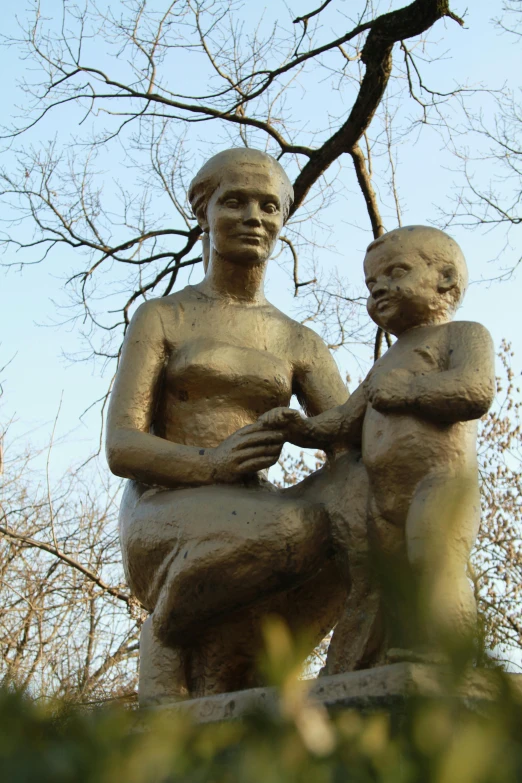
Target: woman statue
{"x":209,"y":545}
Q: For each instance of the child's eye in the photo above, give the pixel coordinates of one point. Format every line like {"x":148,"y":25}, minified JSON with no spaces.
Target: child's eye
{"x":232,"y":203}
{"x":270,"y":208}
{"x":398,"y":271}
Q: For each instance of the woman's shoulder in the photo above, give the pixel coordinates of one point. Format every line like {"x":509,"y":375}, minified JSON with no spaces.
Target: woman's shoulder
{"x":166,"y":309}
{"x":305,"y":342}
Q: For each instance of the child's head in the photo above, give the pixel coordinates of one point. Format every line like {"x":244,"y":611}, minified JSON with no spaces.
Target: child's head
{"x":416,"y":276}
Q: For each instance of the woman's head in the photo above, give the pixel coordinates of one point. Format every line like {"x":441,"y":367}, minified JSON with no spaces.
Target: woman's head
{"x":242,"y":197}
{"x":208,"y":178}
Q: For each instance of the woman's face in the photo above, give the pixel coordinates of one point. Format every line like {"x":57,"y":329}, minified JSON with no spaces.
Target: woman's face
{"x":244,"y":214}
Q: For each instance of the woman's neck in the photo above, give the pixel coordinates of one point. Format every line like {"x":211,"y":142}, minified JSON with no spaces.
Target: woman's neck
{"x":235,"y":281}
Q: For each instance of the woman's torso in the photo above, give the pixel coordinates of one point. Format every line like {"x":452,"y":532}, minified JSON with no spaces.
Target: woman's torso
{"x":226,"y":364}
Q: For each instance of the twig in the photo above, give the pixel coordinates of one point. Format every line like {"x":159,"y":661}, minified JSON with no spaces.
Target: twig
{"x":297,"y":284}
{"x":47,"y":477}
{"x":69,"y":561}
{"x":305,"y":19}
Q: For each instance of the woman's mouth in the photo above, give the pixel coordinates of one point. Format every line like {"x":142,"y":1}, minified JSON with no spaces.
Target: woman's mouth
{"x":254,"y":239}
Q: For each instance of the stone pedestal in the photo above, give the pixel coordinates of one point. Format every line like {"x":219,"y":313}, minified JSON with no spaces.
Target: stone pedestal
{"x":384,"y":688}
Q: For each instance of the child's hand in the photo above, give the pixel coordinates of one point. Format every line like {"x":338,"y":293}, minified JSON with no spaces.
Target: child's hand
{"x":284,"y":419}
{"x":391,"y":390}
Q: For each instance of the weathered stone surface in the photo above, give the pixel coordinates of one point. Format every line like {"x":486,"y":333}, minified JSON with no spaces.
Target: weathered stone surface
{"x":382,"y":688}
{"x":376,"y":548}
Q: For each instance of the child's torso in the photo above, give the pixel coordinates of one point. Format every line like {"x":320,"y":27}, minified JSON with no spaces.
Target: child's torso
{"x":400,"y":449}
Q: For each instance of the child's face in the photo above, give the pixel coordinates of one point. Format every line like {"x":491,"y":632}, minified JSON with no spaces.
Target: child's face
{"x":403,"y":287}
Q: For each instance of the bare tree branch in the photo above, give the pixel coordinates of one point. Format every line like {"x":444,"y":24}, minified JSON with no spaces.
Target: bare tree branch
{"x":70,"y":561}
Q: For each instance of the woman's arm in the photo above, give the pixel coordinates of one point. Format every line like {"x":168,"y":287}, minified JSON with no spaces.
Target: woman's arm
{"x":317,"y":382}
{"x":134,"y":452}
{"x":319,"y":388}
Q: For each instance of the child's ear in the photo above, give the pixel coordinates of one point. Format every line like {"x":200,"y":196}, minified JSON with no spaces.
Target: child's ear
{"x":448,"y":278}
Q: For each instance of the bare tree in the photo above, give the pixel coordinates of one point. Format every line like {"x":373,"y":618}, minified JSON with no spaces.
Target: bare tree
{"x":117,"y":70}
{"x":150,"y":88}
{"x":68,"y":626}
{"x":489,"y":150}
{"x":497,"y":559}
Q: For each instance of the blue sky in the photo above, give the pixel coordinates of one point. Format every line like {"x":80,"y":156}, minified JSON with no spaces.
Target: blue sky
{"x":40,"y":379}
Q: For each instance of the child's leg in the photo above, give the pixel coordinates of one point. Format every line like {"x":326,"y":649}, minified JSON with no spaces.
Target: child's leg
{"x":441,"y":527}
{"x":390,"y":569}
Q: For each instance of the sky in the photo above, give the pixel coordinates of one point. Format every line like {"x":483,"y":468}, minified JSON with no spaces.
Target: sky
{"x":42,"y":383}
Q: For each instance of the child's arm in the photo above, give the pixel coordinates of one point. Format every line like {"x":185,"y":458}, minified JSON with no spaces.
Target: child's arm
{"x":341,"y":425}
{"x":466,"y":389}
{"x":463,"y":392}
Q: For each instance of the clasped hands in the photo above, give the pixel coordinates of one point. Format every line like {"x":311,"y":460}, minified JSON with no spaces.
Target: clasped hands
{"x":254,"y":447}
{"x":258,"y":446}
{"x":384,"y":390}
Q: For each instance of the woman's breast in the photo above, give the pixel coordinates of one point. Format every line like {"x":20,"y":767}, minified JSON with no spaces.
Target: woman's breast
{"x":208,"y":381}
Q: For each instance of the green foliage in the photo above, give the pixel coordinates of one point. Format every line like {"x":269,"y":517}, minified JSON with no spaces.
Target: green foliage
{"x":433,"y":741}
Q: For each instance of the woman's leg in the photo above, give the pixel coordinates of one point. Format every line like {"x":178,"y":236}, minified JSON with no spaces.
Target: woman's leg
{"x":240,"y":546}
{"x":196,"y":555}
{"x":162,"y":670}
{"x":211,"y":563}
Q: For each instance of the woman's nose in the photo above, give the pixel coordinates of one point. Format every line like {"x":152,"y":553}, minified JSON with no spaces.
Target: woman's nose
{"x":252,"y":214}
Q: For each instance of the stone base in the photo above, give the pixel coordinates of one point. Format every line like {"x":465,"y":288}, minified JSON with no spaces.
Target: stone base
{"x":383,"y":688}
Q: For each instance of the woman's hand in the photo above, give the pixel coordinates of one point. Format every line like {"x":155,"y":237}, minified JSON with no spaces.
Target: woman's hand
{"x":248,"y":450}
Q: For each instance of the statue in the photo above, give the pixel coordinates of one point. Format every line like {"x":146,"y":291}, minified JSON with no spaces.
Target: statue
{"x":209,"y":545}
{"x":415,"y":418}
{"x":199,"y":411}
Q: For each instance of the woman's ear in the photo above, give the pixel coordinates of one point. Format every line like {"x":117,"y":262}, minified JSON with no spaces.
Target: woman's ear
{"x":205,"y":250}
{"x":203,"y":222}
{"x":448,"y":278}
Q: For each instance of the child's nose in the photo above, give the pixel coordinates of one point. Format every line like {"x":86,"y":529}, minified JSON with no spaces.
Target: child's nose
{"x":379,"y":289}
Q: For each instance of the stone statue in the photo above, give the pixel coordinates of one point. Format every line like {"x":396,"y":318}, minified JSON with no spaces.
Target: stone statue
{"x":209,"y":545}
{"x":415,"y":418}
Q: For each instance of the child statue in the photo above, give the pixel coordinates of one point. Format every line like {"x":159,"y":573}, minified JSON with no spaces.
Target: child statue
{"x":415,"y":418}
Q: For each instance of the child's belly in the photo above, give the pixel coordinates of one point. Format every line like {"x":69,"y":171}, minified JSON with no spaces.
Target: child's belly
{"x":400,"y":450}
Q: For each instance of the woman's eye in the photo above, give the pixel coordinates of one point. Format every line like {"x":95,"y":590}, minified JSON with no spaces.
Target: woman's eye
{"x":232,"y":203}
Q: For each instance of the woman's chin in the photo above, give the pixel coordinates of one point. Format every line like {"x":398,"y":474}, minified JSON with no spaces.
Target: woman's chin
{"x":247,"y":256}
